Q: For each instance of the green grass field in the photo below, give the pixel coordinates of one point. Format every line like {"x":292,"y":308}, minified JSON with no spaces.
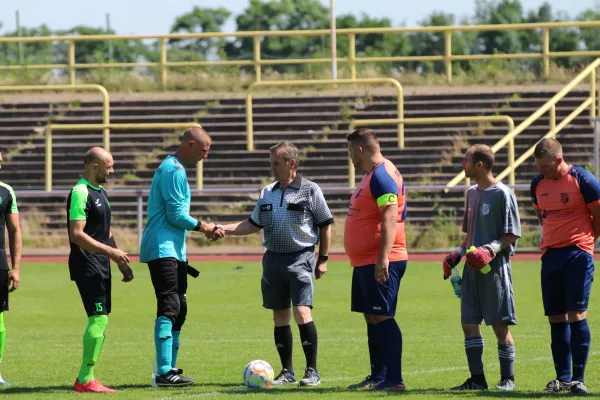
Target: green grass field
{"x":227,"y":327}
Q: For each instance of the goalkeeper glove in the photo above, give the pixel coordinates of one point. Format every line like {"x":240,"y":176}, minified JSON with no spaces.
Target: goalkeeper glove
{"x":481,"y":256}
{"x":452,"y":261}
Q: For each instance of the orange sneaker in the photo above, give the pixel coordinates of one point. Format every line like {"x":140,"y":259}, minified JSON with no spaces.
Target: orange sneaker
{"x":92,"y":386}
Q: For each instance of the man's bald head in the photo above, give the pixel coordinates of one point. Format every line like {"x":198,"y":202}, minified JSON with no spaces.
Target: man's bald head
{"x":94,"y":155}
{"x":98,"y":165}
{"x":194,"y":147}
{"x":196,"y":134}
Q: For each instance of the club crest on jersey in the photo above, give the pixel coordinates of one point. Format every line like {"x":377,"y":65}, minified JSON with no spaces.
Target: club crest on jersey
{"x":98,"y":203}
{"x":564,"y":198}
{"x":485,"y":209}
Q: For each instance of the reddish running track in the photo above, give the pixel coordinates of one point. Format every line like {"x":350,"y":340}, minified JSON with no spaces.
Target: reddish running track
{"x":423,"y":257}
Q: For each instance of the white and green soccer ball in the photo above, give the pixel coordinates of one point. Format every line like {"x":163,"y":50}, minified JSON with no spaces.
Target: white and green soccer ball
{"x":258,"y":374}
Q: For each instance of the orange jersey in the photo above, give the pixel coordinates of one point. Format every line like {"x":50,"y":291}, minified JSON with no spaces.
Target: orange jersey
{"x":565,"y":206}
{"x":380,"y":188}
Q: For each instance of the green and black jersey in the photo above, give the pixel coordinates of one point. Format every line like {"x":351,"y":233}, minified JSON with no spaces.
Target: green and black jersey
{"x":90,"y":204}
{"x":8,"y":205}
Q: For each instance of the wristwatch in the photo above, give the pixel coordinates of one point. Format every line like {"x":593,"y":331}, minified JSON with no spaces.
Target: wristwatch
{"x":323,"y":258}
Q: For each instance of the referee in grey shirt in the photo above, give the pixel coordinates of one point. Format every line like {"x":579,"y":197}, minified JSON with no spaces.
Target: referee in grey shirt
{"x":294,"y":216}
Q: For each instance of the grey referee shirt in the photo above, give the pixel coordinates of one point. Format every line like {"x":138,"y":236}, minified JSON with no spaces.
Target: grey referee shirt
{"x":290,"y":219}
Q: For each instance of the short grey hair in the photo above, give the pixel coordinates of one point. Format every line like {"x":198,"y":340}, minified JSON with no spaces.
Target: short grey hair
{"x":287,"y":150}
{"x":548,"y":147}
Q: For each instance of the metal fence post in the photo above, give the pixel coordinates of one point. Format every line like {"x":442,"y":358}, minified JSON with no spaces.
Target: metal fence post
{"x":448,"y":55}
{"x":257,"y":64}
{"x":71,"y":55}
{"x":163,"y":64}
{"x":546,"y":51}
{"x":48,"y":159}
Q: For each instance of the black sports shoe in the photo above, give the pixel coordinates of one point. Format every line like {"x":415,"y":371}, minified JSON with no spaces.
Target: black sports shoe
{"x":557,"y":386}
{"x":577,"y":387}
{"x":470,"y":384}
{"x":172,"y":379}
{"x":311,"y":378}
{"x":366,"y":383}
{"x":285,"y":377}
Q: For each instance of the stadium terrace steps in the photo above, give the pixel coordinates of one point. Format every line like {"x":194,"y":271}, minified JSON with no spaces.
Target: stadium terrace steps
{"x":318,"y":125}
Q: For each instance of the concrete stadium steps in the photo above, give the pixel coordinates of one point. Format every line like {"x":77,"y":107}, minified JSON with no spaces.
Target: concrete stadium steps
{"x":318,"y":125}
{"x":232,"y":207}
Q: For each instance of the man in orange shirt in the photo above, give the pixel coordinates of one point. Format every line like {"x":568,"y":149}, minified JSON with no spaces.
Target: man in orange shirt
{"x":566,"y":199}
{"x":375,"y":243}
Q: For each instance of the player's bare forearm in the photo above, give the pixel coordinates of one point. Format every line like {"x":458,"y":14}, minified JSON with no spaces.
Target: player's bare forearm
{"x":538,"y":214}
{"x":111,"y":240}
{"x":389,"y":224}
{"x":507,"y":239}
{"x":464,"y":243}
{"x":85,"y":241}
{"x":15,"y":241}
{"x":596,"y":226}
{"x":325,"y":239}
{"x":240,"y":228}
{"x":596,"y":221}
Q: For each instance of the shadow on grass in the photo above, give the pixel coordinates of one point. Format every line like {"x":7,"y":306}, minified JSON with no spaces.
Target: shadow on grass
{"x":485,"y":393}
{"x":38,"y":389}
{"x":133,"y":386}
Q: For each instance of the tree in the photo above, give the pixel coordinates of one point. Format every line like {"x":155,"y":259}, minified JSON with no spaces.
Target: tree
{"x":97,"y":51}
{"x":199,"y":20}
{"x":376,"y":44}
{"x":560,"y":39}
{"x":433,"y":44}
{"x":489,"y":12}
{"x":33,"y":52}
{"x":590,"y":36}
{"x":280,"y":15}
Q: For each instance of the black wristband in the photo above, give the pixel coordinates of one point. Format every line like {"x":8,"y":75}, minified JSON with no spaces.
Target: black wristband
{"x":197,"y":228}
{"x":323,"y":258}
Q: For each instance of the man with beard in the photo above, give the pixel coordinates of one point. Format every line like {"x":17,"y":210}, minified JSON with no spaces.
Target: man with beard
{"x":92,"y":248}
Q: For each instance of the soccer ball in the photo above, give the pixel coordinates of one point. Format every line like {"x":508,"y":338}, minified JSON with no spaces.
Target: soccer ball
{"x":258,"y":374}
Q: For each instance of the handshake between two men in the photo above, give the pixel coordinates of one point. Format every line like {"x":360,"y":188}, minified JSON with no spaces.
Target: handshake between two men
{"x":214,"y":232}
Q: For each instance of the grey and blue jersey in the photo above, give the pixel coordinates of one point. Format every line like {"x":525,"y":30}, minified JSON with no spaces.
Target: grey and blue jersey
{"x":489,"y":214}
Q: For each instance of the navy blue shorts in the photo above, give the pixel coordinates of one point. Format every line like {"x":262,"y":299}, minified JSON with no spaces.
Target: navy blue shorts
{"x":370,"y":297}
{"x":567,"y":276}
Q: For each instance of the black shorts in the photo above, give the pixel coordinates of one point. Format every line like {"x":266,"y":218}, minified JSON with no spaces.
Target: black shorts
{"x":168,"y":275}
{"x":3,"y":291}
{"x":95,"y":293}
{"x":169,"y":278}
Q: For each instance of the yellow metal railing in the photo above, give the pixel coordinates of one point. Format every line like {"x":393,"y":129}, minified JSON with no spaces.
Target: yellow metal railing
{"x":332,"y":82}
{"x":91,"y":127}
{"x":426,"y":121}
{"x":352,"y":60}
{"x":550,"y":106}
{"x":72,"y":88}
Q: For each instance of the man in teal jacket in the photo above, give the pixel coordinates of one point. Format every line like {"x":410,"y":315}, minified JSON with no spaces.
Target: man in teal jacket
{"x":163,"y":249}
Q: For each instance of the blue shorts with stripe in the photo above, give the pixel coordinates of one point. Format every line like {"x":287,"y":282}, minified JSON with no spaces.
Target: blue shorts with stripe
{"x":567,"y":276}
{"x":370,"y":297}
